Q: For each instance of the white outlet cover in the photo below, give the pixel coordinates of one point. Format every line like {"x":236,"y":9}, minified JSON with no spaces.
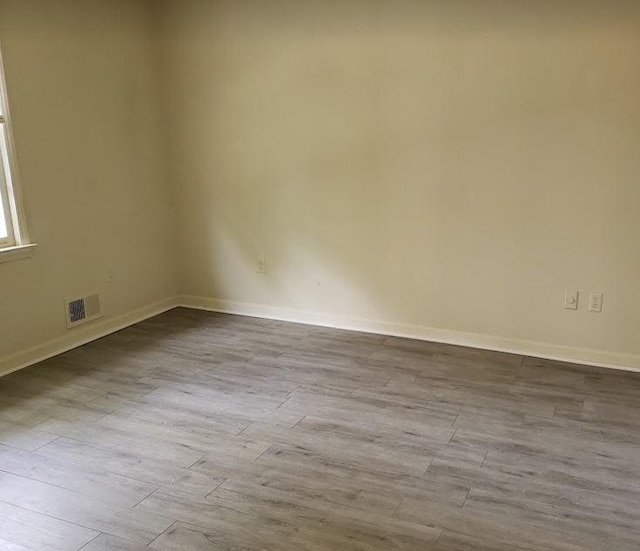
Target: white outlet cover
{"x":595,"y":302}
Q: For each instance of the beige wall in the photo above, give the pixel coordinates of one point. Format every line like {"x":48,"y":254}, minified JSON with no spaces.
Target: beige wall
{"x":446,"y":164}
{"x":83,"y":96}
{"x":450,"y":164}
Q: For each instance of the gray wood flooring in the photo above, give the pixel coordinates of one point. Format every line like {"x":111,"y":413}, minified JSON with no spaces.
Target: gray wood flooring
{"x":199,"y":431}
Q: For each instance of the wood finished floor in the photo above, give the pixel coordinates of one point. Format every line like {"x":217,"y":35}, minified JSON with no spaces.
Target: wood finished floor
{"x":198,"y":431}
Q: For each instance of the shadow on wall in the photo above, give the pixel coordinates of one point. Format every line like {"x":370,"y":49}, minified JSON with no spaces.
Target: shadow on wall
{"x":431,"y":163}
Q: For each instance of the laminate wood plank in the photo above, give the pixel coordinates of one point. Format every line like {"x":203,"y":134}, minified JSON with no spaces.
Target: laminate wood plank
{"x":223,"y":535}
{"x":194,"y":510}
{"x":587,"y":435}
{"x":69,"y":377}
{"x":23,"y":438}
{"x":339,"y":482}
{"x":610,"y":477}
{"x":169,"y":415}
{"x":379,"y":410}
{"x":356,"y":492}
{"x":479,"y":397}
{"x":287,"y":524}
{"x":360,"y":347}
{"x":200,"y":416}
{"x":203,"y":439}
{"x":487,"y":529}
{"x":78,"y":509}
{"x":111,"y":489}
{"x":353,"y":530}
{"x":210,"y":400}
{"x":128,"y":463}
{"x":7,"y":545}
{"x":273,"y":505}
{"x":453,"y":541}
{"x":569,"y":515}
{"x":112,"y":402}
{"x":145,"y":445}
{"x":105,"y":542}
{"x":194,"y":430}
{"x":25,"y":528}
{"x":318,"y":370}
{"x":56,"y":386}
{"x":404,"y":455}
{"x":221,"y":380}
{"x":32,"y":410}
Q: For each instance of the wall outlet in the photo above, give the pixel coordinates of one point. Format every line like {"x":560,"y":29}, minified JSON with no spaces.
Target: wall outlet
{"x":261,"y":265}
{"x":110,"y":277}
{"x":571,"y":300}
{"x":595,"y":302}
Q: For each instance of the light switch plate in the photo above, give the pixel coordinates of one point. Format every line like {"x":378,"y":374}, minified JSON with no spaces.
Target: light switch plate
{"x":571,"y":300}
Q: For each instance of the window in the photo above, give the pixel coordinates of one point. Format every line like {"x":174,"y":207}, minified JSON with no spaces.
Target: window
{"x":13,"y":232}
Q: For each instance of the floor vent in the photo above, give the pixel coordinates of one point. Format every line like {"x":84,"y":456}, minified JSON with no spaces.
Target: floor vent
{"x":81,"y":310}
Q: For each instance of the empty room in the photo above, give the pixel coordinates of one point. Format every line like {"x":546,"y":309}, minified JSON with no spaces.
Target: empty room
{"x":303,"y":275}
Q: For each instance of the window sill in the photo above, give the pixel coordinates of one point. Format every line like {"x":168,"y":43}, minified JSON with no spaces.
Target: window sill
{"x":18,"y":252}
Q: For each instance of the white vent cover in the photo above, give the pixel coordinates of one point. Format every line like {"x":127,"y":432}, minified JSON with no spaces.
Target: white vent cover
{"x":81,"y":310}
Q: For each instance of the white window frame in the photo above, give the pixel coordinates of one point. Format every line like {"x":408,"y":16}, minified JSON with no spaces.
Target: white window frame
{"x":17,"y":244}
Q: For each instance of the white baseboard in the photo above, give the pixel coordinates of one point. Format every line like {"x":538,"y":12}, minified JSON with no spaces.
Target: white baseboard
{"x":82,"y":335}
{"x":583,"y":356}
{"x":85,"y":334}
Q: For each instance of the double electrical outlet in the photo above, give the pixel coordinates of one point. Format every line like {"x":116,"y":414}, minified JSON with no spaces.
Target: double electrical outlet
{"x":572,"y":298}
{"x":261,"y":264}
